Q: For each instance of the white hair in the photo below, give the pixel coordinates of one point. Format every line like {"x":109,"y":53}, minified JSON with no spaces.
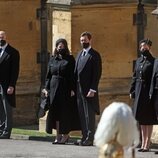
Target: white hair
{"x":117,"y":121}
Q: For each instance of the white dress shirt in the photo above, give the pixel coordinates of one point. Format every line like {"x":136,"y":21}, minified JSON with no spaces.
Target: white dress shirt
{"x":86,"y":50}
{"x":3,"y":49}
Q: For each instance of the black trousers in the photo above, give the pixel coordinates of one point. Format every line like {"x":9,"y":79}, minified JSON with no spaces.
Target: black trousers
{"x":87,"y":116}
{"x":5,"y":114}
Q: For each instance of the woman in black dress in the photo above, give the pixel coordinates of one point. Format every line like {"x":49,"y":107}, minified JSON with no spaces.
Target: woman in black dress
{"x":60,"y":85}
{"x":143,"y":107}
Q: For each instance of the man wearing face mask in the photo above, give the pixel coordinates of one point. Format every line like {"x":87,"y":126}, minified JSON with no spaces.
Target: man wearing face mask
{"x":88,"y":72}
{"x":9,"y":71}
{"x":143,"y":107}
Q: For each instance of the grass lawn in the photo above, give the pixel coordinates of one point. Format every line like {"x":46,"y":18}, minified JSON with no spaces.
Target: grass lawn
{"x":29,"y":132}
{"x":32,"y":131}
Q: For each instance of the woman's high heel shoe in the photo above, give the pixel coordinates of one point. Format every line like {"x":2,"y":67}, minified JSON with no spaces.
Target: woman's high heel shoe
{"x":145,"y":150}
{"x":140,"y":150}
{"x":57,"y":140}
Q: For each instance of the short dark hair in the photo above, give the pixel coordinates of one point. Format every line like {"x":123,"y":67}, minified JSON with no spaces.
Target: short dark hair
{"x":88,"y":34}
{"x":146,"y":41}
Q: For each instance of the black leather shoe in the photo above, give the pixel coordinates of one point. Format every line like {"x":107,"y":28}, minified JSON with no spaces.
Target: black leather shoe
{"x":55,"y":142}
{"x":145,"y":150}
{"x":140,"y":150}
{"x":5,"y":135}
{"x":1,"y":131}
{"x":87,"y":143}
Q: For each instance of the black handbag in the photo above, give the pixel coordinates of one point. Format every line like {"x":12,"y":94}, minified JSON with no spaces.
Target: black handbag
{"x":44,"y":106}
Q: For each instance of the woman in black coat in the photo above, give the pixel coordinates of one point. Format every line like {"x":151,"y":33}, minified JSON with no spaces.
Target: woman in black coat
{"x":60,"y":86}
{"x":143,"y":107}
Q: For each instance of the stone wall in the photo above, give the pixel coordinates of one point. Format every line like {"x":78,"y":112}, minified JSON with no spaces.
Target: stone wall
{"x":18,"y":19}
{"x":61,"y":26}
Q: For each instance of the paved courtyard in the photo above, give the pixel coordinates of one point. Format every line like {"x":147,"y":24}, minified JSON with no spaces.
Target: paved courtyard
{"x":44,"y":149}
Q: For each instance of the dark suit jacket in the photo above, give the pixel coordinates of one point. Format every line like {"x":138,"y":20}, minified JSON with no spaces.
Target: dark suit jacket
{"x":89,"y":74}
{"x":154,"y":80}
{"x":140,"y":85}
{"x":9,"y":71}
{"x":60,"y":78}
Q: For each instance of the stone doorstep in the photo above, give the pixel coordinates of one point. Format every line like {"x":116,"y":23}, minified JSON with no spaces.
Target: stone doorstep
{"x":19,"y":137}
{"x":154,"y":137}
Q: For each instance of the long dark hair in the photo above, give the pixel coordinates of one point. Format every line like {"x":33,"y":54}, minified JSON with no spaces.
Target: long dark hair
{"x":64,"y":42}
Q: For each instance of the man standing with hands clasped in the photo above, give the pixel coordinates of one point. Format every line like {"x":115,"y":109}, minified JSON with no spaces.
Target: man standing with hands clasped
{"x":9,"y":71}
{"x":88,"y":72}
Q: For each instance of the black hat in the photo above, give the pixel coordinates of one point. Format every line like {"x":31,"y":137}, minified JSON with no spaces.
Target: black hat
{"x":61,"y":40}
{"x":146,"y":41}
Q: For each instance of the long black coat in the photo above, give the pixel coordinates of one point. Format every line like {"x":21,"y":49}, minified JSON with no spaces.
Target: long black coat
{"x":59,"y":82}
{"x":9,"y":71}
{"x":143,"y":107}
{"x":89,"y":76}
{"x":154,"y":86}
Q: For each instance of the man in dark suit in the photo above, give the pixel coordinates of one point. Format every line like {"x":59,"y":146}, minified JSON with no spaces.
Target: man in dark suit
{"x":9,"y":71}
{"x":88,"y":72}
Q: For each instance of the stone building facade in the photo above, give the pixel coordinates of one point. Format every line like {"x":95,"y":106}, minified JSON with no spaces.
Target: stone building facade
{"x":18,"y":19}
{"x":114,"y":33}
{"x":115,"y":36}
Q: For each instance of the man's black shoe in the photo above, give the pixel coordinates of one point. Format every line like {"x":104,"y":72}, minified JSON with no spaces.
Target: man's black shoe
{"x":1,"y":131}
{"x":5,"y":135}
{"x":156,"y":152}
{"x":87,"y":143}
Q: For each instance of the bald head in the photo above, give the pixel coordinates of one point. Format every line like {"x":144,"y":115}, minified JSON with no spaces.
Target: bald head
{"x":2,"y":35}
{"x":2,"y":38}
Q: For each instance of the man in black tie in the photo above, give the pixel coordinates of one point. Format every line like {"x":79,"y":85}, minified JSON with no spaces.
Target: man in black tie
{"x":0,"y":51}
{"x":88,"y":72}
{"x":9,"y":71}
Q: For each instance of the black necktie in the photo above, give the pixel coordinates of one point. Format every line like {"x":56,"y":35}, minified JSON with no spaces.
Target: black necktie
{"x":84,"y":53}
{"x":0,"y":51}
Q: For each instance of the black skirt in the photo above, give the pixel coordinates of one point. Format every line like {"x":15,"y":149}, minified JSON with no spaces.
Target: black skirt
{"x":147,"y":115}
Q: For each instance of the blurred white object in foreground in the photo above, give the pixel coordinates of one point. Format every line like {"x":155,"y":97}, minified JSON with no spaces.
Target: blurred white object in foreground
{"x":117,"y":129}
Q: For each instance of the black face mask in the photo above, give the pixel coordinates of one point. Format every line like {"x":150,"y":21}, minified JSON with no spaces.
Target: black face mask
{"x":85,"y":45}
{"x":145,"y":52}
{"x":61,"y":51}
{"x":2,"y":43}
